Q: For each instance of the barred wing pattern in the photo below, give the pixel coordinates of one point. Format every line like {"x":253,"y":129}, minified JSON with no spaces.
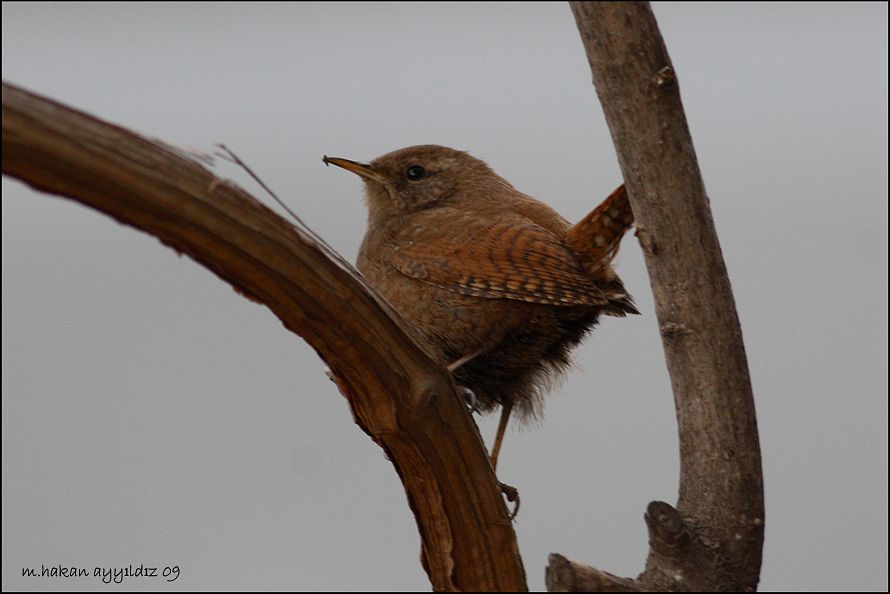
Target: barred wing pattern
{"x":597,"y":236}
{"x":520,"y":261}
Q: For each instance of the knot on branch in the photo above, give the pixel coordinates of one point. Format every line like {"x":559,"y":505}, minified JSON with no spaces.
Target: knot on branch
{"x":421,"y":397}
{"x":680,"y":558}
{"x":667,"y":531}
{"x":665,"y":77}
{"x":647,"y":243}
{"x":674,"y":330}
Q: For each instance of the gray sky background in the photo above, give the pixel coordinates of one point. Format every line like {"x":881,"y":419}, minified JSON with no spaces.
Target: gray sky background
{"x":152,"y":415}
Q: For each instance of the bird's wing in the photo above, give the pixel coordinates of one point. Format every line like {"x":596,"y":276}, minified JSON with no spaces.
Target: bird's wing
{"x":521,"y":261}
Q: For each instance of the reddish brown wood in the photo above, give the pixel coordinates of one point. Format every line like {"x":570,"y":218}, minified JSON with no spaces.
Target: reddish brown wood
{"x":399,"y":397}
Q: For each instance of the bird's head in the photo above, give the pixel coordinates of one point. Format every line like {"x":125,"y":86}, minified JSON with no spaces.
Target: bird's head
{"x":419,"y":178}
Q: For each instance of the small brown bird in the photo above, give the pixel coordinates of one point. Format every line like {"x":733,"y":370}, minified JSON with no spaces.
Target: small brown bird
{"x":497,"y":284}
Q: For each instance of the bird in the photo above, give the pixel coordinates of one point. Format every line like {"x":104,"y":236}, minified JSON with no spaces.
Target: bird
{"x":495,"y":283}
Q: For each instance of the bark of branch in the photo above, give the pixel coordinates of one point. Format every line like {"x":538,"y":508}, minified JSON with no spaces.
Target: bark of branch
{"x":713,"y":540}
{"x":398,"y":395}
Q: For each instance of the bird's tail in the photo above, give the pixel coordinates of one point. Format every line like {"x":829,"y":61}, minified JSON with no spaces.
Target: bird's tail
{"x":595,"y":239}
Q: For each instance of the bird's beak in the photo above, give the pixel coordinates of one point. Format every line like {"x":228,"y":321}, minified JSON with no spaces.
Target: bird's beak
{"x":362,"y":169}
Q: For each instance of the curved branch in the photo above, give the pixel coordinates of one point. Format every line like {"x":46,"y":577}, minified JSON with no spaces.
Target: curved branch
{"x":713,"y":540}
{"x":398,"y":395}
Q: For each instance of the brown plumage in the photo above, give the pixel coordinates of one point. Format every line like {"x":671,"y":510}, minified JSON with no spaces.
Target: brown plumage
{"x":497,"y":284}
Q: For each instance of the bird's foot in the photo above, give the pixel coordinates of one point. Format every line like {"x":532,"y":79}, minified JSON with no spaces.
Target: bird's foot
{"x":512,"y":495}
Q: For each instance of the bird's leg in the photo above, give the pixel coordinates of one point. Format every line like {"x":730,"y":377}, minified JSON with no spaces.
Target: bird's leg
{"x":499,"y":438}
{"x":510,"y":492}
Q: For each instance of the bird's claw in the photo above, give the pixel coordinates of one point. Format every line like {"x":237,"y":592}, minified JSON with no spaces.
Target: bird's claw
{"x":469,"y":398}
{"x":511,"y":493}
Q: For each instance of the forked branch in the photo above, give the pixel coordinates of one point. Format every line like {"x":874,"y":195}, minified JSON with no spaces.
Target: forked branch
{"x":713,"y":540}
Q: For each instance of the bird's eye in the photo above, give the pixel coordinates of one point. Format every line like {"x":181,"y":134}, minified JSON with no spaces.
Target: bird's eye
{"x":415,"y":172}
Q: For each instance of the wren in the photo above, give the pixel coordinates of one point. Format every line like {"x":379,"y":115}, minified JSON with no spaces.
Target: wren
{"x":498,"y":285}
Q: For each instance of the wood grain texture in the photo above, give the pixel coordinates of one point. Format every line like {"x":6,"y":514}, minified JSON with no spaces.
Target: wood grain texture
{"x":399,"y":397}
